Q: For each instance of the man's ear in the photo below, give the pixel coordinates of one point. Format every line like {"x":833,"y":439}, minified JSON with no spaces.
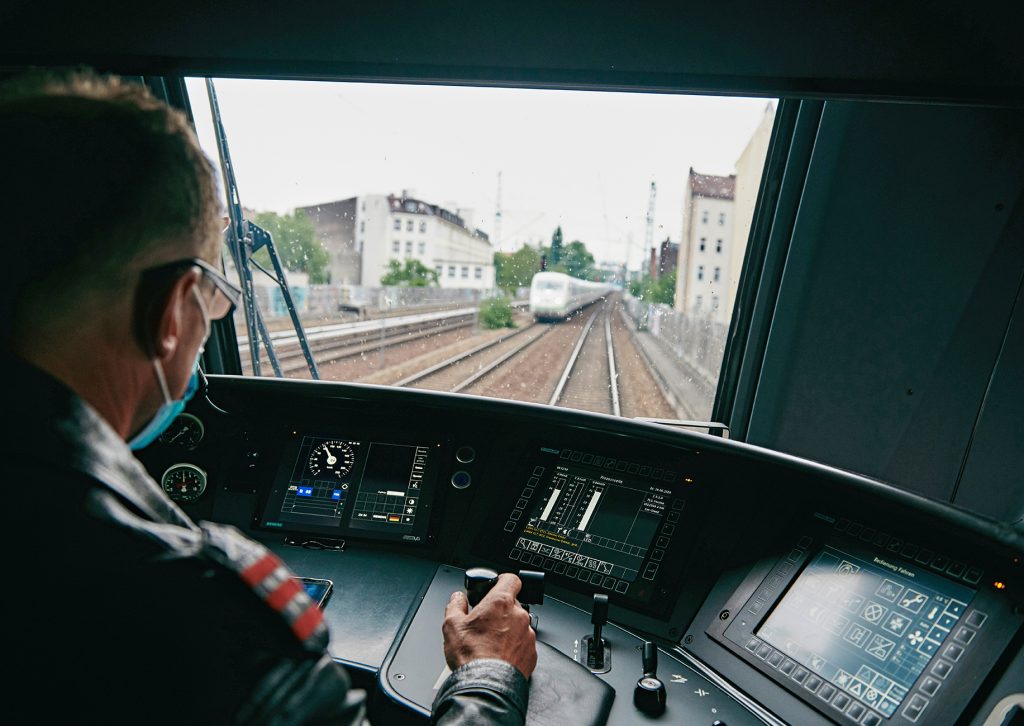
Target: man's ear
{"x":168,"y":315}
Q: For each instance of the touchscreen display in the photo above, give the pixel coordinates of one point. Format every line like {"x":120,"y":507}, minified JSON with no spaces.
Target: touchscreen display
{"x":607,"y":523}
{"x":600,"y":521}
{"x":334,"y":485}
{"x":868,"y":625}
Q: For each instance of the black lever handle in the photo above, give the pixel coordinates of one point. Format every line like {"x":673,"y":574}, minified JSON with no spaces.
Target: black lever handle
{"x":479,"y":581}
{"x":650,"y":696}
{"x":532,"y":592}
{"x":650,"y":660}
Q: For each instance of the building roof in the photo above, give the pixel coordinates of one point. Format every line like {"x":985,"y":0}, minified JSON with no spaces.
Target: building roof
{"x":416,"y":206}
{"x":709,"y":185}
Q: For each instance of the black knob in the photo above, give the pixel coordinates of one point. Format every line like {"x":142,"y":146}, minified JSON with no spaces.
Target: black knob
{"x":650,"y":696}
{"x":479,"y":581}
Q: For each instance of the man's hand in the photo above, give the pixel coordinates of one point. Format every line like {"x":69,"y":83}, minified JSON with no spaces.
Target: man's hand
{"x":498,"y":627}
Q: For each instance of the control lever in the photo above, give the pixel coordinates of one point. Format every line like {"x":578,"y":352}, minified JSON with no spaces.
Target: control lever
{"x":598,"y":650}
{"x":532,"y":592}
{"x":479,"y":581}
{"x":649,"y":695}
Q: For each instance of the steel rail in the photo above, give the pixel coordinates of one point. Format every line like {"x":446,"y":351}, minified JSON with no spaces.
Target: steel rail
{"x":612,"y":375}
{"x":572,"y":361}
{"x":458,"y":357}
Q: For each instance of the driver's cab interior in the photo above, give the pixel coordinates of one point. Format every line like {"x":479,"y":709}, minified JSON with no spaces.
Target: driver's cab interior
{"x":837,"y":535}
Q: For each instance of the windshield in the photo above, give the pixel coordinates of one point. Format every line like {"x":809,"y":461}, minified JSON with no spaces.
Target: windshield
{"x":570,"y":248}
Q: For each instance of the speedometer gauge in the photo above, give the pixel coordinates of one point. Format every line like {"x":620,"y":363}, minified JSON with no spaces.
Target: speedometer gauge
{"x":331,"y":459}
{"x":184,"y":482}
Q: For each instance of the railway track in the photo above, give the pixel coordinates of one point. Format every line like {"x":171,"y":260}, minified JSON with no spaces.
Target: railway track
{"x":588,"y":362}
{"x":331,"y":343}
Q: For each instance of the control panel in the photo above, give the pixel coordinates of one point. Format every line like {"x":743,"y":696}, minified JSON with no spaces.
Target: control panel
{"x":866,"y":626}
{"x":415,"y":670}
{"x":339,"y":485}
{"x":600,"y":523}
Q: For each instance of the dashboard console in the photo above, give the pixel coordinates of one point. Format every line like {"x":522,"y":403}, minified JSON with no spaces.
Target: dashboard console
{"x":778,"y":590}
{"x":867,"y":625}
{"x":341,"y":486}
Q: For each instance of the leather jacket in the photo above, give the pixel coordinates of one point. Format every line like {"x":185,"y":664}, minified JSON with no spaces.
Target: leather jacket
{"x":129,"y":611}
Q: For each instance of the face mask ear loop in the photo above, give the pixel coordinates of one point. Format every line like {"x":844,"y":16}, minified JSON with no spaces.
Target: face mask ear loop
{"x":161,"y":380}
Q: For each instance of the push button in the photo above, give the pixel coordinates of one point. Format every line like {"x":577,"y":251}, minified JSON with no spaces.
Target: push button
{"x":913,"y":710}
{"x":964,"y":636}
{"x":976,"y":618}
{"x":930,"y":686}
{"x":942,"y":669}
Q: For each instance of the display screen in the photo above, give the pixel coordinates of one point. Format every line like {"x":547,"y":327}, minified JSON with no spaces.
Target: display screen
{"x":335,"y":485}
{"x":602,"y":522}
{"x":605,"y":522}
{"x":868,"y":625}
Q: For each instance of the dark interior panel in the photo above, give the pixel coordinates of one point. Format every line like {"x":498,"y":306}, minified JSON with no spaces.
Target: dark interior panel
{"x":753,"y":527}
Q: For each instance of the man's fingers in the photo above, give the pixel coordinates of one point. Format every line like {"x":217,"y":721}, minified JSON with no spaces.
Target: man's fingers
{"x":457,"y":605}
{"x":508,"y":584}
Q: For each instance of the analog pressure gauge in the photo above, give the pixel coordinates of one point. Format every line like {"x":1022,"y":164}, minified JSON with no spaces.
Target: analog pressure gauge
{"x":184,"y":482}
{"x":331,"y":459}
{"x":186,"y":431}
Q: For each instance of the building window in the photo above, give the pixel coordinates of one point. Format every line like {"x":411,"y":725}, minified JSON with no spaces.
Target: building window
{"x":451,"y":270}
{"x":478,"y":273}
{"x":423,"y":248}
{"x":718,"y":274}
{"x":714,"y":302}
{"x":700,"y":272}
{"x":718,"y":245}
{"x":423,"y":226}
{"x":703,"y":243}
{"x":408,"y":248}
{"x":465,"y":273}
{"x":721,"y":219}
{"x":439,"y":270}
{"x":704,"y":217}
{"x":700,"y":301}
{"x":398,"y":225}
{"x":409,"y":225}
{"x":362,"y":226}
{"x":396,"y":246}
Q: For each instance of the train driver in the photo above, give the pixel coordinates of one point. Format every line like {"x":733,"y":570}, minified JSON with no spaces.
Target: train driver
{"x":128,"y":609}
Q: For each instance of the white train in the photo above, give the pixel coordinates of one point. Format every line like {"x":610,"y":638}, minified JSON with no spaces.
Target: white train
{"x":555,"y":295}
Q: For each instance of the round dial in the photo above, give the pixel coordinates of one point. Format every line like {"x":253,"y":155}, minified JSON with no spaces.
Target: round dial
{"x":184,"y":482}
{"x":331,"y":458}
{"x":186,"y":431}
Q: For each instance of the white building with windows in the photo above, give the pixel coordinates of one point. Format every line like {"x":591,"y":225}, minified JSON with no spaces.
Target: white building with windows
{"x":703,"y":277}
{"x":363,"y":233}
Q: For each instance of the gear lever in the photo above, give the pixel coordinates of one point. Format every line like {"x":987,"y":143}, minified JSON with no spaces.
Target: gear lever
{"x":649,"y":695}
{"x":598,"y":652}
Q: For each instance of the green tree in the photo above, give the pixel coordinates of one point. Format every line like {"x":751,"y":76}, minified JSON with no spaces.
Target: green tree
{"x":655,"y":290}
{"x":556,"y":248}
{"x":412,"y":274}
{"x":577,"y":260}
{"x":516,"y":269}
{"x":296,"y":244}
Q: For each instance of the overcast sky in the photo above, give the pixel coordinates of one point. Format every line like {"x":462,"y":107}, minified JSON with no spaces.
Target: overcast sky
{"x":582,"y":160}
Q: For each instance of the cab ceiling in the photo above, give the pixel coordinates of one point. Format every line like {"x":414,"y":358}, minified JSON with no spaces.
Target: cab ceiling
{"x":937,"y":51}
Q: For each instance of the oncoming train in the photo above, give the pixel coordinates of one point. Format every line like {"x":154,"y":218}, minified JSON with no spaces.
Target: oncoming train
{"x":555,"y":295}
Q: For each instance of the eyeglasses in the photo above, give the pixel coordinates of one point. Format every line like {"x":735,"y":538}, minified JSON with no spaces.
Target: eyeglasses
{"x":222,"y":304}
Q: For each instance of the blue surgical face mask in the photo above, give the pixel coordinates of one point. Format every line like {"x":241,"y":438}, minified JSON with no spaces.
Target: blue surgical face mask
{"x":170,"y":408}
